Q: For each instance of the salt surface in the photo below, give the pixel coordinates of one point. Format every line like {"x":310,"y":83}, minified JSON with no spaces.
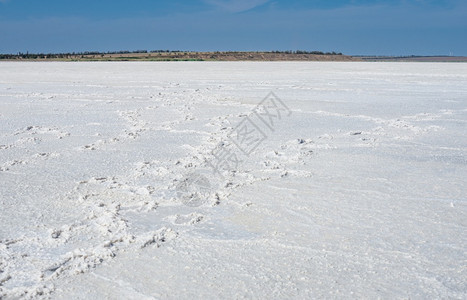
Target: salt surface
{"x":359,"y":192}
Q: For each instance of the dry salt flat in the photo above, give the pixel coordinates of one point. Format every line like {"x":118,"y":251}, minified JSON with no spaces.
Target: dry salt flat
{"x":233,"y":180}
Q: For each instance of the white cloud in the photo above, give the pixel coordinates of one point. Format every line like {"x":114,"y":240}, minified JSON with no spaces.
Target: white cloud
{"x":236,"y":5}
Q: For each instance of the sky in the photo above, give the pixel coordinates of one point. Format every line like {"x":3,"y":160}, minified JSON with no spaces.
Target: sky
{"x":354,"y":27}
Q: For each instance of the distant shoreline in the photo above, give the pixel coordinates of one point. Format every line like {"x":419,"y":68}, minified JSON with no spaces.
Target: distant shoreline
{"x":223,"y":56}
{"x":184,"y":56}
{"x":414,"y":58}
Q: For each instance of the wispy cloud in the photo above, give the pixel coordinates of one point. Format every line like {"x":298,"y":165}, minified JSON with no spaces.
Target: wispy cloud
{"x":236,"y":5}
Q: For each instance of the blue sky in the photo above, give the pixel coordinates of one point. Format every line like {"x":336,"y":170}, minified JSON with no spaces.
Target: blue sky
{"x":383,"y":27}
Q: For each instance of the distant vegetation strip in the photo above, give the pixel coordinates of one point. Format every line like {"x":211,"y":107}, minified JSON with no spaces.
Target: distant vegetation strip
{"x":168,"y":55}
{"x":177,"y":55}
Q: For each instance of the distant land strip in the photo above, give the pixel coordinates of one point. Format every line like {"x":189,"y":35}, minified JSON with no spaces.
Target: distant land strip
{"x":414,"y":58}
{"x":167,"y":55}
